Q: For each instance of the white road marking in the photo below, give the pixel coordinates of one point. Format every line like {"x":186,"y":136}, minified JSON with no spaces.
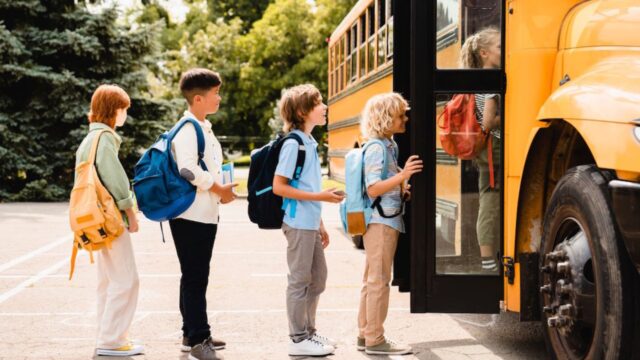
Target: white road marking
{"x":32,"y":280}
{"x":33,"y":254}
{"x":66,"y":276}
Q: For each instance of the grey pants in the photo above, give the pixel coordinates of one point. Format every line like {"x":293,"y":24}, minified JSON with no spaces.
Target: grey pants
{"x":306,"y":280}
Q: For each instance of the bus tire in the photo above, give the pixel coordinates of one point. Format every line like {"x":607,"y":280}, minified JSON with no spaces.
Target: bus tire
{"x":358,"y":242}
{"x":586,"y":279}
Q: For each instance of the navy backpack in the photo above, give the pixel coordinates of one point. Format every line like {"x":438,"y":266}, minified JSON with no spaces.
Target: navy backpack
{"x":161,"y":192}
{"x":266,"y":208}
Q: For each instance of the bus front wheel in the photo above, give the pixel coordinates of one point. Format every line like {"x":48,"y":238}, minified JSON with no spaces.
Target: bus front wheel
{"x":586,"y":285}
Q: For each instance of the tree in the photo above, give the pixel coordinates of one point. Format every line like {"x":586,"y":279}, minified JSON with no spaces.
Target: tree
{"x":53,"y":55}
{"x":248,"y":11}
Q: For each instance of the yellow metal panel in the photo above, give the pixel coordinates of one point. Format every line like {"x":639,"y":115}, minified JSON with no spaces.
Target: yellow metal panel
{"x":532,"y":31}
{"x":347,"y":108}
{"x":613,"y":145}
{"x":608,"y":90}
{"x":603,"y":23}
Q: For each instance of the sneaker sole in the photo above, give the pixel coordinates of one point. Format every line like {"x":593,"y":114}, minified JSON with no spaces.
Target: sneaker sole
{"x":105,"y":352}
{"x":373,"y":352}
{"x":309,"y":354}
{"x":185,"y":348}
{"x":361,"y":348}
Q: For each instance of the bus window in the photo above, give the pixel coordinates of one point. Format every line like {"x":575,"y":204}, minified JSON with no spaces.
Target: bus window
{"x":331,"y":70}
{"x":371,"y":33}
{"x":362,"y":44}
{"x":457,"y":21}
{"x":382,"y":31}
{"x":341,"y":63}
{"x":353,"y":52}
{"x":390,"y":29}
{"x":468,"y":207}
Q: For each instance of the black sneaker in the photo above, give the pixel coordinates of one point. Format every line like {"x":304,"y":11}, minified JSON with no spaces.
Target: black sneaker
{"x":217,"y":344}
{"x":204,"y":351}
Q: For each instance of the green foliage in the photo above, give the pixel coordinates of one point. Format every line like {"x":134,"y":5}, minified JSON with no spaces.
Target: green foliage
{"x":285,"y":47}
{"x":54,"y":54}
{"x":248,"y":11}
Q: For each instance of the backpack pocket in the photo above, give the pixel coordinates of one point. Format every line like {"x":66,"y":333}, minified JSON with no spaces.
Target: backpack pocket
{"x":151,"y":191}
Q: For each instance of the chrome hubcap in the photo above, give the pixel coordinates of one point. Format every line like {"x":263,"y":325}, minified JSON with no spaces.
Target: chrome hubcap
{"x":569,"y":289}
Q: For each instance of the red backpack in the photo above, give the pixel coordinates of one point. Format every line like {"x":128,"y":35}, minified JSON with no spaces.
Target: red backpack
{"x":460,"y":132}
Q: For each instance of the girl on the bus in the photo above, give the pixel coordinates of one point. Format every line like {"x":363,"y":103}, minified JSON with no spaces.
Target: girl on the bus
{"x":482,"y":51}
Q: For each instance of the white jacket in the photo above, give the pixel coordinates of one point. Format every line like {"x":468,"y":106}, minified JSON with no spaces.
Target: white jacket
{"x":184,"y":149}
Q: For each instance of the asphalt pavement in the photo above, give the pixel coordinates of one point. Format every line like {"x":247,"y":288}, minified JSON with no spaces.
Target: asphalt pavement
{"x":43,"y":315}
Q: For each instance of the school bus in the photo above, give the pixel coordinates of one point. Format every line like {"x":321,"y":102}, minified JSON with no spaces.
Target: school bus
{"x":569,"y":197}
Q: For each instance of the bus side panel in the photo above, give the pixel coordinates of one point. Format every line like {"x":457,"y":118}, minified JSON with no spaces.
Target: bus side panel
{"x":346,"y":110}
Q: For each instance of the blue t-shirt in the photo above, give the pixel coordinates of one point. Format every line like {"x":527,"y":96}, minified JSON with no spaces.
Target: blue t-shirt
{"x":391,"y":201}
{"x":307,"y":213}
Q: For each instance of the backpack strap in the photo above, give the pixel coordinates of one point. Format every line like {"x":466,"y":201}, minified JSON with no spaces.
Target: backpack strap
{"x":302,"y":154}
{"x":385,"y":172}
{"x":94,"y":146}
{"x":199,"y":136}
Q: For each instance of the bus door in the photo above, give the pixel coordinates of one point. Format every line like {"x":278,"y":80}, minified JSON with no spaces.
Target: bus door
{"x":455,"y":217}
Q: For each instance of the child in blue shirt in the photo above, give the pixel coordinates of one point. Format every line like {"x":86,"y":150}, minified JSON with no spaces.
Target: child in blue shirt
{"x":301,"y":109}
{"x":383,"y":116}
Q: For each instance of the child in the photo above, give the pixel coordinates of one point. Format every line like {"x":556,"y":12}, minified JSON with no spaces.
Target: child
{"x":117,"y":274}
{"x":383,"y":116}
{"x":301,"y":109}
{"x":194,"y":231}
{"x":482,"y":51}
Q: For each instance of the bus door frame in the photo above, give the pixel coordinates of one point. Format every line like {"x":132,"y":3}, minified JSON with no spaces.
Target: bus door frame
{"x":417,"y":78}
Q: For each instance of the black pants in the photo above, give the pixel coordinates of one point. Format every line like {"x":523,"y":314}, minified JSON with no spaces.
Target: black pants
{"x":194,"y":245}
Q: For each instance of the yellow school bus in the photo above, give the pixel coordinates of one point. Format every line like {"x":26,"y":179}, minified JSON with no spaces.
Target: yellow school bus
{"x":568,"y":89}
{"x":360,"y":66}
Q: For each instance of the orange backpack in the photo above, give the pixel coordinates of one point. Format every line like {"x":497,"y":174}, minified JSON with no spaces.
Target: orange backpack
{"x":460,"y":132}
{"x":93,"y":214}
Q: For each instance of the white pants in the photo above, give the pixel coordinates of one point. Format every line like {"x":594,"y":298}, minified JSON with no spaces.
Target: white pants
{"x":118,"y":285}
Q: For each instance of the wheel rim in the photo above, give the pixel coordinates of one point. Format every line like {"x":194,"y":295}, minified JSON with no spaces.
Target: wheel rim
{"x":569,"y":289}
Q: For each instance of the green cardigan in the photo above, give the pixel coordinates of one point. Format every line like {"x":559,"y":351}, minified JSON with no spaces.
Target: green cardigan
{"x":109,"y":168}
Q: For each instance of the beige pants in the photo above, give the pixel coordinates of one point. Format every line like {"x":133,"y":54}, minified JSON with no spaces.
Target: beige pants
{"x":380,"y":243}
{"x":118,"y":285}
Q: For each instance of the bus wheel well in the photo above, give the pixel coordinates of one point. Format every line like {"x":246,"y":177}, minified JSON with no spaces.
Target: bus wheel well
{"x":554,"y":151}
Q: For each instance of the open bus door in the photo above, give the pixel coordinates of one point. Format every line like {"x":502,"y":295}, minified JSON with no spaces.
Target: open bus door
{"x":439,"y":259}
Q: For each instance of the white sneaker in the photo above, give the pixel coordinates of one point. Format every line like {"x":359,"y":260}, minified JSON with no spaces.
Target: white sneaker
{"x":310,"y":347}
{"x":127,"y":350}
{"x":325,"y":340}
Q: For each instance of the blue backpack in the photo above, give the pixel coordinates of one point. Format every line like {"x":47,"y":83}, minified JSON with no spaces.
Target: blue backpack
{"x":356,"y":208}
{"x":266,"y":208}
{"x":161,"y":192}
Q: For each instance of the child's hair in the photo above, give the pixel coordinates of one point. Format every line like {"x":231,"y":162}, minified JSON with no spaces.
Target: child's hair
{"x":378,"y":114}
{"x":470,"y":52}
{"x":197,"y":82}
{"x":296,"y":103}
{"x":105,"y":101}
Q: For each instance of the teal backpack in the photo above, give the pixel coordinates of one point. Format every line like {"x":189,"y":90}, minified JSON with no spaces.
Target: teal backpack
{"x":356,"y":208}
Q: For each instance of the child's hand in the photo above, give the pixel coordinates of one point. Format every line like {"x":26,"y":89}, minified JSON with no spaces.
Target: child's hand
{"x":406,"y":195}
{"x":324,"y":237}
{"x":225,"y":192}
{"x":132,"y":219}
{"x":412,"y":166}
{"x":331,"y":195}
